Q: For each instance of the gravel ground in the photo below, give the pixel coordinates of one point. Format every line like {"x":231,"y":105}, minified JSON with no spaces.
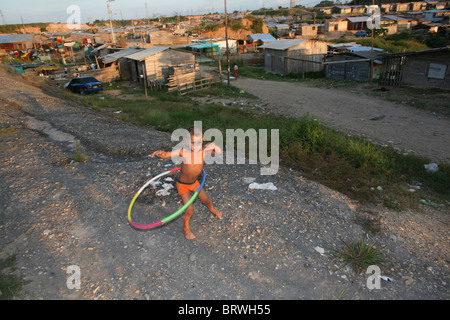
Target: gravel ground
{"x":56,"y":213}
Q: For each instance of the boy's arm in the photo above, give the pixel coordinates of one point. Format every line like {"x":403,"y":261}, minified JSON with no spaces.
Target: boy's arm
{"x":212,"y":148}
{"x":164,"y":154}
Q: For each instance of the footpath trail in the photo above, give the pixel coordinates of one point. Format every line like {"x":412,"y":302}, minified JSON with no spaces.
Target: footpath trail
{"x":403,"y":127}
{"x":271,"y":244}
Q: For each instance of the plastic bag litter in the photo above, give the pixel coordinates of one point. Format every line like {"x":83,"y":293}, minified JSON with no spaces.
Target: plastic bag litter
{"x":154,"y":184}
{"x":386,"y":278}
{"x":431,"y":167}
{"x":165,"y":190}
{"x":263,"y":186}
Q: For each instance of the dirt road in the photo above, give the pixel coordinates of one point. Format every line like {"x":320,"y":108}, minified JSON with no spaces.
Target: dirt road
{"x":403,"y":127}
{"x":271,"y":244}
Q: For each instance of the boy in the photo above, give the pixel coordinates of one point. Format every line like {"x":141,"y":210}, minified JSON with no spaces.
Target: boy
{"x":190,"y":170}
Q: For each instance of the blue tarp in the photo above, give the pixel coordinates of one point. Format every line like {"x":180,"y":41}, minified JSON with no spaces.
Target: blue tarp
{"x":206,"y":46}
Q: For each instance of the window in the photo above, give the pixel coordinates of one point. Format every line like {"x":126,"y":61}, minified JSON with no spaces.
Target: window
{"x":437,"y":71}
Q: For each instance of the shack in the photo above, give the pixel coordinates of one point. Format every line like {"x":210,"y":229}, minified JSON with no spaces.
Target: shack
{"x":354,"y":65}
{"x":426,"y":68}
{"x":155,"y":65}
{"x":260,"y":38}
{"x":22,"y":42}
{"x":295,"y":56}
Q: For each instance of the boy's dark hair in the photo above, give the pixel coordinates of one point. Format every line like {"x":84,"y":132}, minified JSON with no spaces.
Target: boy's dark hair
{"x":195,"y":131}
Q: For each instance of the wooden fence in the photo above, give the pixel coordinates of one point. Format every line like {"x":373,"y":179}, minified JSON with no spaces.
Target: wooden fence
{"x":187,"y":87}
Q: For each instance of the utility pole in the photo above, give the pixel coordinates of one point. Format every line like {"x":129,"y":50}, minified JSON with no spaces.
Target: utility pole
{"x":226,"y":41}
{"x":3,"y":17}
{"x":113,"y":39}
{"x":371,"y":51}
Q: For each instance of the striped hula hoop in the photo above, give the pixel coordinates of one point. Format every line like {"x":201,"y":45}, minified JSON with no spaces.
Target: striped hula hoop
{"x":173,"y":215}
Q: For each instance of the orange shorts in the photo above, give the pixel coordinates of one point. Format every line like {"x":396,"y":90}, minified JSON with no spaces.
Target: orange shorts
{"x":184,"y":188}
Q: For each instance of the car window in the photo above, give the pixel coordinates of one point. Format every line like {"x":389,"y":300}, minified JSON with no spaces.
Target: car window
{"x":90,"y":79}
{"x":75,"y":81}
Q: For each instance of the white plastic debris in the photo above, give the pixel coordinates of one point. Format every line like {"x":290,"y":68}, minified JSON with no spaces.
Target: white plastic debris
{"x":154,"y":184}
{"x":165,"y":190}
{"x":386,"y":278}
{"x":319,"y":250}
{"x":431,"y":167}
{"x":263,"y":186}
{"x":249,"y":180}
{"x":168,"y":179}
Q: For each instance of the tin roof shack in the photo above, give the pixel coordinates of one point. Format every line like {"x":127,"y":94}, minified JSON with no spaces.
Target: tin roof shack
{"x":306,"y":31}
{"x":354,"y":65}
{"x":156,"y":64}
{"x":401,"y":7}
{"x":260,"y":38}
{"x":114,"y":64}
{"x":338,"y":26}
{"x":294,"y":56}
{"x":429,"y":68}
{"x":341,"y":9}
{"x":403,"y":23}
{"x":23,"y":42}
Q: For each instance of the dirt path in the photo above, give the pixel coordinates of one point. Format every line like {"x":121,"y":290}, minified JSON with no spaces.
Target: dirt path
{"x":56,"y":214}
{"x":405,"y":128}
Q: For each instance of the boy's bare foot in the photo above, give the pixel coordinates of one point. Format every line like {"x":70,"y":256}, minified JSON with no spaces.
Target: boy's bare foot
{"x":217,"y":213}
{"x":189,"y":235}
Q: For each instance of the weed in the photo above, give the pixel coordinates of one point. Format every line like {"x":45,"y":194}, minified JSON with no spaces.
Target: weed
{"x":359,"y":256}
{"x":80,"y":154}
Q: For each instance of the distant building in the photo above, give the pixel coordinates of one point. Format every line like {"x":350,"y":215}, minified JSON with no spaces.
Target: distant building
{"x":23,"y":42}
{"x":284,"y":56}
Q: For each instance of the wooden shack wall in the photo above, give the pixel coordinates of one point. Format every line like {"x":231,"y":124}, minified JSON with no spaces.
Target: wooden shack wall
{"x":310,"y":50}
{"x":417,"y":69}
{"x":347,"y":71}
{"x":158,"y":65}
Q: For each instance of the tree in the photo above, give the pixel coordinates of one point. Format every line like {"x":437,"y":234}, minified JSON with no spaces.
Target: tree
{"x":324,"y":3}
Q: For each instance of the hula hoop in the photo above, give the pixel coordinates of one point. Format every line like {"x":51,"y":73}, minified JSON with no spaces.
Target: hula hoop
{"x":173,"y":215}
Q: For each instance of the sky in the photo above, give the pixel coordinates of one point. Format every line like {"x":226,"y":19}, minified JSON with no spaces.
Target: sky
{"x":82,"y":11}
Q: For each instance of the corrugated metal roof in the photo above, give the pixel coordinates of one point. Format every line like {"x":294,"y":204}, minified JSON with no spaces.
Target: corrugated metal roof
{"x":120,"y":54}
{"x":265,"y":37}
{"x":103,"y":46}
{"x":15,"y":38}
{"x":358,"y":19}
{"x":141,"y":55}
{"x":362,"y":48}
{"x":282,"y":44}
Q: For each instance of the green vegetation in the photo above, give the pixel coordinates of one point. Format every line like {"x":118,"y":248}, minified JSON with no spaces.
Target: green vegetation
{"x":10,"y":284}
{"x":80,"y":154}
{"x":350,"y":165}
{"x":359,"y":256}
{"x":18,"y":28}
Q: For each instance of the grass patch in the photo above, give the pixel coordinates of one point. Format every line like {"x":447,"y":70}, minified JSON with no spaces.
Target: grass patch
{"x":359,"y":256}
{"x":10,"y":284}
{"x":80,"y":154}
{"x":350,"y":165}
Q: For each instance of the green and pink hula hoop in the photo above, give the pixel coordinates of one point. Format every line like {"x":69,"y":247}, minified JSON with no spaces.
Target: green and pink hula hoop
{"x":173,"y":215}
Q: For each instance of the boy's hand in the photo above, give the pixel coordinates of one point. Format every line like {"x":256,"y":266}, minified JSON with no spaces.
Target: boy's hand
{"x":158,"y":153}
{"x":213,"y":148}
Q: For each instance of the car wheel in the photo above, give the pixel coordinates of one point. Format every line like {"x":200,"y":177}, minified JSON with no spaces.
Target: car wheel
{"x":82,"y":92}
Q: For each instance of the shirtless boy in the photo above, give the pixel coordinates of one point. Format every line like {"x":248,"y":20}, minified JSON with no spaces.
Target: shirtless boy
{"x":191,"y":167}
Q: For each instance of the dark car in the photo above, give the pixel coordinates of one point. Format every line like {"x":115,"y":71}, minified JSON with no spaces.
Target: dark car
{"x":361,"y":33}
{"x":84,"y":85}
